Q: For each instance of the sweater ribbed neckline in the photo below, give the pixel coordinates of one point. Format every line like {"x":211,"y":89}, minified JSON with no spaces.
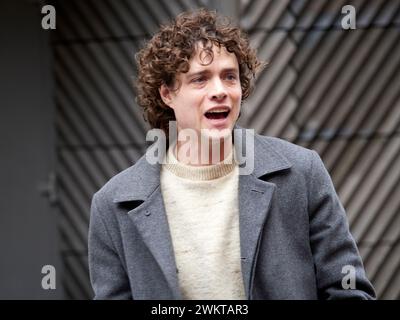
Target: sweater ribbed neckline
{"x":199,"y":173}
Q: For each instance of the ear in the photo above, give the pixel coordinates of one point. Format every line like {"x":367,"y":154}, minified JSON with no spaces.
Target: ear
{"x":166,"y":95}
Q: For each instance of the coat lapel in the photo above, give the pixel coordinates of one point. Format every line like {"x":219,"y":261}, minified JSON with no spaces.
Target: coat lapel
{"x":255,"y":197}
{"x":254,"y":202}
{"x":151,"y":222}
{"x":150,"y":219}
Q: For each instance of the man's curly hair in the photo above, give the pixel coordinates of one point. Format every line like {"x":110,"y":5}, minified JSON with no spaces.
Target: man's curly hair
{"x":168,"y":53}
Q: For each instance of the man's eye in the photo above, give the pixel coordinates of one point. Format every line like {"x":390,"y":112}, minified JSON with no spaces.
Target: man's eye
{"x":198,"y":80}
{"x":231,"y":76}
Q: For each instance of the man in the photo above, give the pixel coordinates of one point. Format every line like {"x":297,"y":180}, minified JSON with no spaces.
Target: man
{"x":201,"y":223}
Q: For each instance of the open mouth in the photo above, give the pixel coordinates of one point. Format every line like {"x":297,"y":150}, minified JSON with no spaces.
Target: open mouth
{"x":216,"y":115}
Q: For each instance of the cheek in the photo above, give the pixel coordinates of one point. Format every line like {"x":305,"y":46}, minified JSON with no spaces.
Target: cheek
{"x":237,"y":94}
{"x":189,"y":109}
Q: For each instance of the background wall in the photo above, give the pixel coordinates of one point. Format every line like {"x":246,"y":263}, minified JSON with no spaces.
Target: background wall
{"x":329,"y":89}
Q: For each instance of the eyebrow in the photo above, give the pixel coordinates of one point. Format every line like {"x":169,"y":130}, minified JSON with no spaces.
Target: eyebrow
{"x":203,"y":72}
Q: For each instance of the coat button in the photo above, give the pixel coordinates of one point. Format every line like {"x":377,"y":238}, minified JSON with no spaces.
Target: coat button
{"x":147,"y":213}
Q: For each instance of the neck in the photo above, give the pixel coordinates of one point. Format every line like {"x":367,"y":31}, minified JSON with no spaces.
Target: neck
{"x":203,"y":152}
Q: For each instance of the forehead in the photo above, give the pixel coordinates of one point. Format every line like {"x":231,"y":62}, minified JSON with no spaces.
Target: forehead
{"x":218,"y":57}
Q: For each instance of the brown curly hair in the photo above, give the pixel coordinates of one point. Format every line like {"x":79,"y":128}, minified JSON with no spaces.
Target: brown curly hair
{"x":168,"y":53}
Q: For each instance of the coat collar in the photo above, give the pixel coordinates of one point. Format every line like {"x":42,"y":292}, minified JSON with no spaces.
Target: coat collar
{"x":144,"y":178}
{"x":142,"y":186}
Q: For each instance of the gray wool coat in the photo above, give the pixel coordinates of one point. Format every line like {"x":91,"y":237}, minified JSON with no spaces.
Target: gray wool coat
{"x":294,"y":236}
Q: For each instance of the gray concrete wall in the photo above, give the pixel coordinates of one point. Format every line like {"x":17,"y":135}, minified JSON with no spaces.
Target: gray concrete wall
{"x":28,"y":234}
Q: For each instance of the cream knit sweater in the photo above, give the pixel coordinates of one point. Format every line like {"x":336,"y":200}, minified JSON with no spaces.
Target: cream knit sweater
{"x":201,"y":204}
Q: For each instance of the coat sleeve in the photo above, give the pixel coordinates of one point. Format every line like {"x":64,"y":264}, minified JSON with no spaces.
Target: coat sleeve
{"x":107,"y":274}
{"x":336,"y":257}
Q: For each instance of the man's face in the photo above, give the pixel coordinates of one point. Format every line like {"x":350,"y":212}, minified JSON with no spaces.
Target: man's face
{"x":209,"y":96}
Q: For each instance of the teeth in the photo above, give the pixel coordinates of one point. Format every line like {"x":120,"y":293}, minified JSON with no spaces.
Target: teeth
{"x":218,"y":111}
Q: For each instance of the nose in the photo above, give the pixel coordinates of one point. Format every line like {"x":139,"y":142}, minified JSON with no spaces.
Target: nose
{"x":217,"y":90}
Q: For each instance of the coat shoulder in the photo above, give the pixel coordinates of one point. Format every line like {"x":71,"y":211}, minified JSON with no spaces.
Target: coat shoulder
{"x":297,"y":155}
